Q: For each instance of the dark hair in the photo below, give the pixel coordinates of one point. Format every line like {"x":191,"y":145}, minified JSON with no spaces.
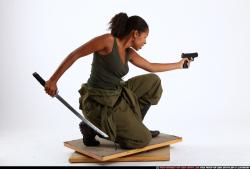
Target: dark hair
{"x":121,"y":25}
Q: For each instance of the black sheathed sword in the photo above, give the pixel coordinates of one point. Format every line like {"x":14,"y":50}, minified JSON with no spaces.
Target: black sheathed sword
{"x":42,"y":82}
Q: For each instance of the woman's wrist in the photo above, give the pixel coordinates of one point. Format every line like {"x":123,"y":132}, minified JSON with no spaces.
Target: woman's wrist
{"x":53,"y":79}
{"x":179,"y":65}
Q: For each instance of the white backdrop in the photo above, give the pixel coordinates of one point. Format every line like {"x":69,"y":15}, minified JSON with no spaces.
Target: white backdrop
{"x":207,"y":104}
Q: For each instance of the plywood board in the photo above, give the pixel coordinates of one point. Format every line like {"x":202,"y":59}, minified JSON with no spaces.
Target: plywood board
{"x":159,"y":154}
{"x":107,"y":151}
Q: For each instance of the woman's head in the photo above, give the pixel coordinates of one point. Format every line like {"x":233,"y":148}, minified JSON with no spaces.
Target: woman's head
{"x":121,"y":25}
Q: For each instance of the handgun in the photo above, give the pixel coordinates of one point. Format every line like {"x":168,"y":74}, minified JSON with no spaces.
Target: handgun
{"x":190,"y":56}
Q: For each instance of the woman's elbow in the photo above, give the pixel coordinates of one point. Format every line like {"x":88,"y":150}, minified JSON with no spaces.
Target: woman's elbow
{"x":151,"y":68}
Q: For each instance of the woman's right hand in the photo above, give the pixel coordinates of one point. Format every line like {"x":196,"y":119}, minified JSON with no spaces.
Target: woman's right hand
{"x":182,"y":61}
{"x":50,"y":88}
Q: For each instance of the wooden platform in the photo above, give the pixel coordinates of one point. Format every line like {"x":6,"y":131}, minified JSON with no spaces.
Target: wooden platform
{"x":159,"y":154}
{"x":107,"y":151}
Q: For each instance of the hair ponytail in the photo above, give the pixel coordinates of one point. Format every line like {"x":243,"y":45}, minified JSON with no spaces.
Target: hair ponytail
{"x":118,"y":24}
{"x":121,"y":25}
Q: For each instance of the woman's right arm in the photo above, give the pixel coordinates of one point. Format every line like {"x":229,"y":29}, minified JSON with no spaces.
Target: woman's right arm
{"x":94,"y":45}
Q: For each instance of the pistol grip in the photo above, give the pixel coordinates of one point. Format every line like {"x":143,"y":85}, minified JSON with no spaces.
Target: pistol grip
{"x":185,"y":65}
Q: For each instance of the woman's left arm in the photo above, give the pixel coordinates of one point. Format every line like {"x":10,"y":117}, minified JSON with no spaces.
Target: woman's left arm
{"x":142,"y":63}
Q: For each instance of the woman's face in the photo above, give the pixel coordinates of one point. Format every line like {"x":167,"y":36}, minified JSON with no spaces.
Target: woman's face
{"x":139,"y":39}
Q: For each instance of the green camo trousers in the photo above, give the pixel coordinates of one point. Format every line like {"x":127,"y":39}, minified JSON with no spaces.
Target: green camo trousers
{"x":125,"y":119}
{"x":131,"y":132}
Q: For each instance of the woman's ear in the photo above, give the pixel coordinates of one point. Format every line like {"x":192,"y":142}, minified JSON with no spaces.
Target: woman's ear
{"x":135,"y":33}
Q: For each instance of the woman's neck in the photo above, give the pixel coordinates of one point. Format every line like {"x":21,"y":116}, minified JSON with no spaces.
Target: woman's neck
{"x":125,"y":42}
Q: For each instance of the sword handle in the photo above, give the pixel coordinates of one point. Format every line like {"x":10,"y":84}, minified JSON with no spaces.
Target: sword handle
{"x":39,"y":78}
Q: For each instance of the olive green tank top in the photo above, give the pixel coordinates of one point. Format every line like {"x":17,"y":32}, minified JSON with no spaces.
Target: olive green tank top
{"x":107,"y":71}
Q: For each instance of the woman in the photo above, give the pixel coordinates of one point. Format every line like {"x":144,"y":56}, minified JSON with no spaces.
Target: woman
{"x":115,"y":106}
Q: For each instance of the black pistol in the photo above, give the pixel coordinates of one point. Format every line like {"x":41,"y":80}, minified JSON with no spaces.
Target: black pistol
{"x":190,"y":56}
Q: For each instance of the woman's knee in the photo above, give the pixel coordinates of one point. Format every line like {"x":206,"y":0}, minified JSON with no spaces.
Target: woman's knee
{"x":154,"y":78}
{"x":156,"y":81}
